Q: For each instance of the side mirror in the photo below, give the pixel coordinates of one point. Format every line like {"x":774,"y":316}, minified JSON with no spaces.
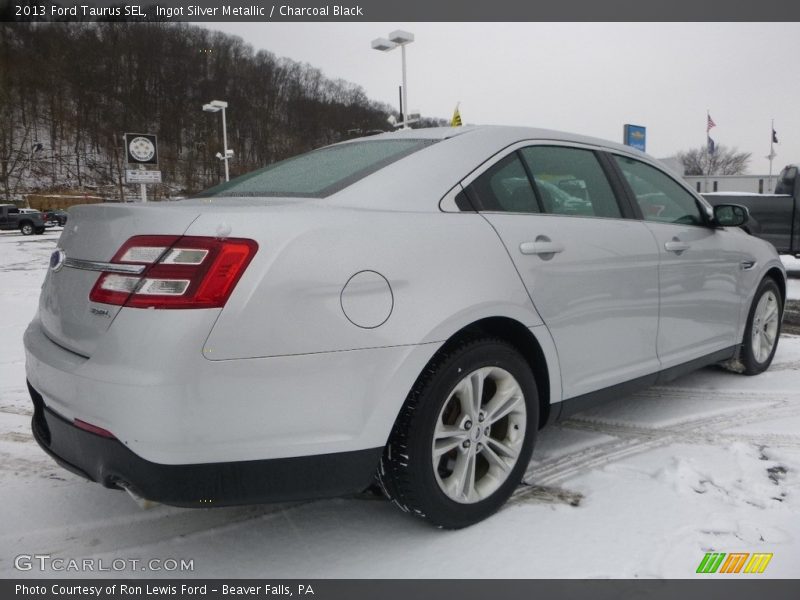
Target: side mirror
{"x":730,"y":215}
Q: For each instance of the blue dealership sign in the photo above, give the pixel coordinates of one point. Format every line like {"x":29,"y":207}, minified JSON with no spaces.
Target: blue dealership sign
{"x":635,"y":136}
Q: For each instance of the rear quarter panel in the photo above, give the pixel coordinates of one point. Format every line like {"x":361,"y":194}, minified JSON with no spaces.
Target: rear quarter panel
{"x":445,"y":271}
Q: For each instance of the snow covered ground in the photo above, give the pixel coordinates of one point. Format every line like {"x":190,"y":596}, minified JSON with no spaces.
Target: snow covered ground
{"x":641,"y":487}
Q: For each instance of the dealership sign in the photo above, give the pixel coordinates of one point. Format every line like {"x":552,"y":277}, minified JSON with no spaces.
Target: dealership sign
{"x":635,"y":136}
{"x":137,"y":176}
{"x":141,"y":148}
{"x":141,"y":154}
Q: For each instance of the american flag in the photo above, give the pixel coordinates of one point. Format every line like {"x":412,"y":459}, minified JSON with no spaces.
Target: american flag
{"x":710,"y":124}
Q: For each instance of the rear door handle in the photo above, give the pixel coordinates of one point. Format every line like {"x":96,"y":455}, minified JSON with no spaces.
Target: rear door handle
{"x":676,"y":246}
{"x":540,"y":246}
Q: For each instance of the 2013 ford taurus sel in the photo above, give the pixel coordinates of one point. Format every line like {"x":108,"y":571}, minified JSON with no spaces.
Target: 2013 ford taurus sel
{"x":411,"y":307}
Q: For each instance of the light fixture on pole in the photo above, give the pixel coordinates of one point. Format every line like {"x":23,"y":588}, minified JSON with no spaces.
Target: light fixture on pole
{"x":216,"y":106}
{"x":397,"y":38}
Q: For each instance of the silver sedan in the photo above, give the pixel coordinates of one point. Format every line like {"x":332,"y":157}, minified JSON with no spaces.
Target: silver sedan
{"x":409,"y":308}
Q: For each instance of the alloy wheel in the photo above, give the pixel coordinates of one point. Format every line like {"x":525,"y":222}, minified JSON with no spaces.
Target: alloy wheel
{"x":479,"y":435}
{"x":765,"y":326}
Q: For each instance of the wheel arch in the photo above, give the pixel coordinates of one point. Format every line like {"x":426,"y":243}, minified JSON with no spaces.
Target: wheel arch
{"x":527,"y":344}
{"x":777,"y":275}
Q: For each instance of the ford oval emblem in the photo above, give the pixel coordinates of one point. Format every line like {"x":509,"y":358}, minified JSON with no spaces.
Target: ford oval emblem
{"x":57,"y":259}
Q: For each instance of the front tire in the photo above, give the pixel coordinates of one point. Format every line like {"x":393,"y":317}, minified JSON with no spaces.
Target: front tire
{"x":465,"y":435}
{"x":763,"y":328}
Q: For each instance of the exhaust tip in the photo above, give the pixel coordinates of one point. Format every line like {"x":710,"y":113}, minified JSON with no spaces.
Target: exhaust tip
{"x":143,"y":503}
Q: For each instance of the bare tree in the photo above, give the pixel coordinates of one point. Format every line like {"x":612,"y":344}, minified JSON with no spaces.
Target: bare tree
{"x":723,"y":161}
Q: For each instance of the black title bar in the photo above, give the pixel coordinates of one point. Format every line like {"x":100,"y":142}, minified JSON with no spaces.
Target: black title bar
{"x":406,"y":11}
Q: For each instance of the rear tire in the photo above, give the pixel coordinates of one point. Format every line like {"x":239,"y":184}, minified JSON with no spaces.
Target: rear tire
{"x":464,"y":436}
{"x":763,"y":328}
{"x":26,"y":229}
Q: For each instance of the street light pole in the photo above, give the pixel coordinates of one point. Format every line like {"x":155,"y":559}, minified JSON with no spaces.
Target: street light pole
{"x":398,"y":38}
{"x":405,"y":89}
{"x":225,"y":144}
{"x":216,"y":106}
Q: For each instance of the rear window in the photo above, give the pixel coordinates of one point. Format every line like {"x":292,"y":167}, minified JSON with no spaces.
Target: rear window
{"x":321,"y":172}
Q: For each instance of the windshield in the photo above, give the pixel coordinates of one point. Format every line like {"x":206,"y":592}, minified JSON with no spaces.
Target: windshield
{"x":321,"y":172}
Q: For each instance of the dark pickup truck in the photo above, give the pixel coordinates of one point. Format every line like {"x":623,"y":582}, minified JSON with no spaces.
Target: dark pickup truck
{"x":773,"y":217}
{"x":27,"y":223}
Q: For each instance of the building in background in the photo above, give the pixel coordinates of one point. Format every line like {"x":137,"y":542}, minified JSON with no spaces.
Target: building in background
{"x":62,"y":201}
{"x":752,"y":184}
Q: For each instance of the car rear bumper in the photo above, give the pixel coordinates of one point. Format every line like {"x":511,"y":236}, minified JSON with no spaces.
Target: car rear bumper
{"x":178,"y":408}
{"x":109,"y":462}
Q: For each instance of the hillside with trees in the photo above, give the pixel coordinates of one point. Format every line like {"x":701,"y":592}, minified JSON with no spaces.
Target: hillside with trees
{"x":69,"y":92}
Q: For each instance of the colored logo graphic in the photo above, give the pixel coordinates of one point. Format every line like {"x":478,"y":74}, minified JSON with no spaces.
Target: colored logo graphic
{"x":734,"y":562}
{"x":635,"y":136}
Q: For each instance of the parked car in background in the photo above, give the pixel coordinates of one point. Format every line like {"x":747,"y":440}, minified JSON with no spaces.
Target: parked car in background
{"x":34,"y":211}
{"x":28,"y":222}
{"x":773,"y":217}
{"x":59,"y":217}
{"x":409,"y":307}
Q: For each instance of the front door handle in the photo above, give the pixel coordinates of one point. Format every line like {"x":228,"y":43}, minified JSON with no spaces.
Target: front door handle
{"x":541,"y":246}
{"x":676,"y":246}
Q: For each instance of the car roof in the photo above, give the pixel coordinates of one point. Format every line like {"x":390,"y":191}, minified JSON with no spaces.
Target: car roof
{"x":417,"y":182}
{"x":497,"y":132}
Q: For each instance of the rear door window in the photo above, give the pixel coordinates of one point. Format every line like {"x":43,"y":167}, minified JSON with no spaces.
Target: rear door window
{"x":570,"y":181}
{"x":504,"y":187}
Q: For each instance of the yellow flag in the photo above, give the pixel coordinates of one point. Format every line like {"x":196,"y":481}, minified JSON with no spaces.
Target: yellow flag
{"x":456,"y":120}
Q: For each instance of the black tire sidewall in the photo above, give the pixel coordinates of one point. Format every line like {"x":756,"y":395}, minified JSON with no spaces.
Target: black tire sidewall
{"x":26,"y":229}
{"x":751,"y":364}
{"x":436,"y":505}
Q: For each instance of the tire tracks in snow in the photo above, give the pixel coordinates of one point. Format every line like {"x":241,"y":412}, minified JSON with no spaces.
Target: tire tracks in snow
{"x":139,"y":529}
{"x":16,"y":410}
{"x":631,"y":440}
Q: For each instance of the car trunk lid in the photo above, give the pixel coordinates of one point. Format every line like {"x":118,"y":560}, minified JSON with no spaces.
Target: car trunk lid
{"x":93,"y":234}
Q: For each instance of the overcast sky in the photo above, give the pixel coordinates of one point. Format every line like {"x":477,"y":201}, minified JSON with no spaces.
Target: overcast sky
{"x":587,"y":78}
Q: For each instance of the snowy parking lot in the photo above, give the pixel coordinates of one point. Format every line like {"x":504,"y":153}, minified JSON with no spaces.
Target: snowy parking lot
{"x":640,"y":487}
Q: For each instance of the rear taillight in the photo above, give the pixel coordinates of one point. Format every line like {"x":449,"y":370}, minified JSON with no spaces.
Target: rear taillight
{"x":179,"y":272}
